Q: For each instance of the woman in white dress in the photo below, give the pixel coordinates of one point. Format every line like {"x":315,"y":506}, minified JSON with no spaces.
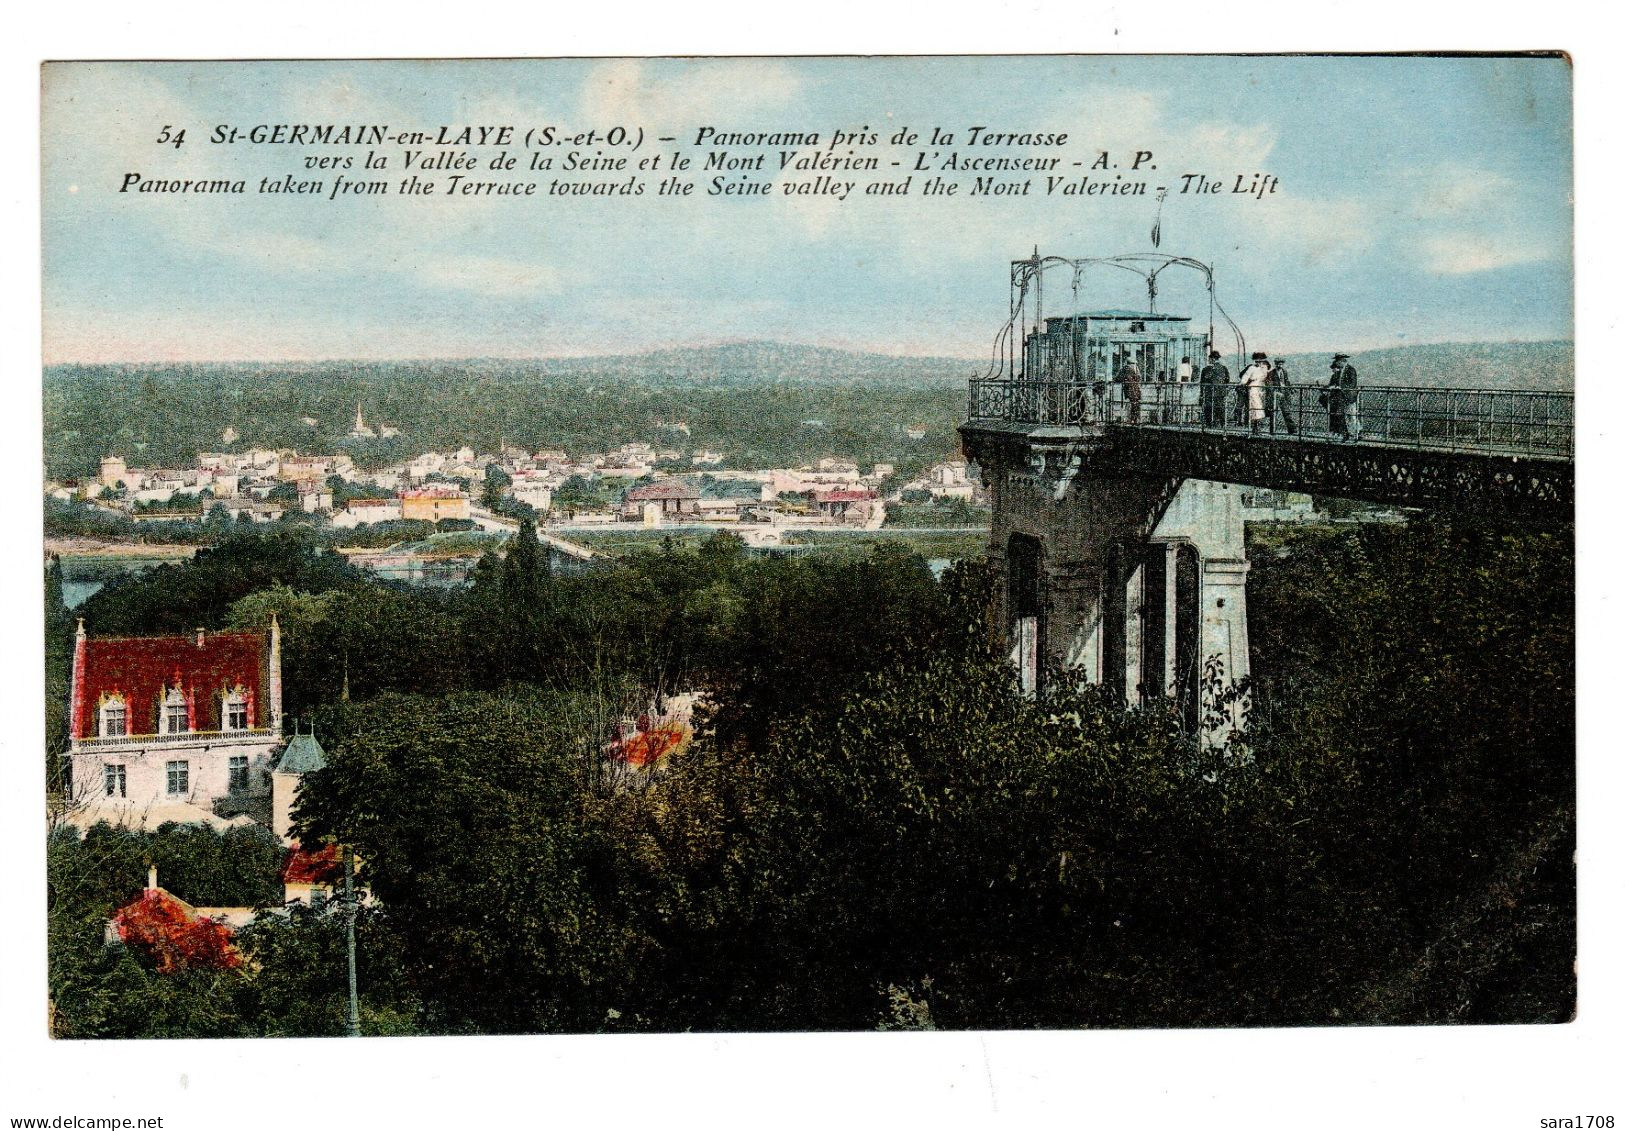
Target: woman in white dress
{"x":1187,"y":394}
{"x":1253,"y":379}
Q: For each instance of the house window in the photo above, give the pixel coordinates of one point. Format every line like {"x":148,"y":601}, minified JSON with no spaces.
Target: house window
{"x":238,"y":772}
{"x":179,"y":775}
{"x":113,"y":780}
{"x":235,"y":712}
{"x":175,"y":713}
{"x":115,"y":718}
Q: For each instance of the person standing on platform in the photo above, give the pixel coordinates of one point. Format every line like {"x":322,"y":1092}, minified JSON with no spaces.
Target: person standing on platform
{"x":1255,"y":379}
{"x":1339,"y":397}
{"x":1184,"y":395}
{"x":1278,"y":398}
{"x":1097,"y":384}
{"x":1348,"y":381}
{"x":1129,"y":375}
{"x":1215,"y":378}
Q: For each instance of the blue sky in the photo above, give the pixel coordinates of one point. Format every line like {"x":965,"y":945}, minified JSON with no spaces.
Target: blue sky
{"x":1421,"y":200}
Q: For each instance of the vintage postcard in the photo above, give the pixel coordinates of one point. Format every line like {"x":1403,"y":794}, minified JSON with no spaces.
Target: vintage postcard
{"x":627,"y":546}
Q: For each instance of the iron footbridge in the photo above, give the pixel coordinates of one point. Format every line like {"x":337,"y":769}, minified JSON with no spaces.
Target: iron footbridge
{"x":1478,"y":450}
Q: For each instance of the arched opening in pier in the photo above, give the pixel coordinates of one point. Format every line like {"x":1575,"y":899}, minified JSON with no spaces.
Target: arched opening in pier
{"x":1024,"y":559}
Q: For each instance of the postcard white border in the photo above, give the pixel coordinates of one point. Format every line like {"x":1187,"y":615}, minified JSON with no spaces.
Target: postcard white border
{"x":1458,"y":1078}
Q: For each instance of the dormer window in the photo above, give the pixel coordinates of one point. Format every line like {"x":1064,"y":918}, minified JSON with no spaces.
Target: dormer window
{"x":115,"y":721}
{"x":234,"y":711}
{"x":174,"y":718}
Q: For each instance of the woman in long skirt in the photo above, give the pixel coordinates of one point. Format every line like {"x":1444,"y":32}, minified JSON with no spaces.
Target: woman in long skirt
{"x":1254,"y":378}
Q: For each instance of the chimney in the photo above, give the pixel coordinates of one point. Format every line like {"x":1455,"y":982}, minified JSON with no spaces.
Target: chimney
{"x":152,"y":877}
{"x":200,"y":636}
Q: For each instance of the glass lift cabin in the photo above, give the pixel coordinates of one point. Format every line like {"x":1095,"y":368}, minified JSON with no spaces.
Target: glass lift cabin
{"x":1094,"y":346}
{"x":1063,"y":369}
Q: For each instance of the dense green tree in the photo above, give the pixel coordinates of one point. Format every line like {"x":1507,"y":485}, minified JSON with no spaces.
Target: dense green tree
{"x":59,"y":629}
{"x":299,"y":985}
{"x":467,"y":814}
{"x":1418,"y":683}
{"x":106,"y":867}
{"x":344,"y":490}
{"x":177,"y":598}
{"x":496,"y":482}
{"x":807,"y":631}
{"x":935,"y":830}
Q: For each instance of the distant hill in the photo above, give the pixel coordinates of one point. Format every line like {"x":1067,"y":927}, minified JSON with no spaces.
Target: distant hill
{"x":759,"y":361}
{"x":774,"y":359}
{"x":1454,"y":365}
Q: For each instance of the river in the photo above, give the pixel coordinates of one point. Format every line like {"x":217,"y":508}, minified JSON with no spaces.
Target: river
{"x":84,"y":574}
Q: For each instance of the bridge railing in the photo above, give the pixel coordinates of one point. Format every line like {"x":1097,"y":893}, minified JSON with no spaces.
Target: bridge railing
{"x":1480,"y":420}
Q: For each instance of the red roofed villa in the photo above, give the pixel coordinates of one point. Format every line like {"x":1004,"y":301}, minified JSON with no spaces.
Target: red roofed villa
{"x":194,"y":719}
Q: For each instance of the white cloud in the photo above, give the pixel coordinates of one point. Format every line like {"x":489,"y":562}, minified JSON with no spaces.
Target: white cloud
{"x":1225,"y":145}
{"x":1452,"y":190}
{"x":1466,"y":220}
{"x":101,"y":119}
{"x":1469,"y":253}
{"x":1306,"y":233}
{"x":1119,"y":120}
{"x":340,"y":98}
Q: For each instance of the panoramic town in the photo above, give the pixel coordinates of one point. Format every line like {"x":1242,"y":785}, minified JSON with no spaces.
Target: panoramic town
{"x":636,"y":482}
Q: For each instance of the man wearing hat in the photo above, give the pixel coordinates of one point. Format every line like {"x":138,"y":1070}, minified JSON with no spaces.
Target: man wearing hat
{"x":1253,"y":379}
{"x":1214,"y":378}
{"x":1342,"y":398}
{"x":1129,"y":375}
{"x":1278,"y":398}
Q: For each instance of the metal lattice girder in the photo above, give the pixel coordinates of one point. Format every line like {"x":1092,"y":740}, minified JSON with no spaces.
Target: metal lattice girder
{"x":1482,"y":483}
{"x":1494,"y":451}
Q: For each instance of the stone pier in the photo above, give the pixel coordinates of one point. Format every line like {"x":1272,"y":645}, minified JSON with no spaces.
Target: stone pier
{"x":1133,"y":582}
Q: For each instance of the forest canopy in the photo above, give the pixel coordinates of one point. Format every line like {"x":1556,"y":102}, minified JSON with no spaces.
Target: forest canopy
{"x":872,"y":828}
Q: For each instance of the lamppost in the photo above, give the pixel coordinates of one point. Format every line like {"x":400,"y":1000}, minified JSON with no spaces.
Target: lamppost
{"x":353,"y":1026}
